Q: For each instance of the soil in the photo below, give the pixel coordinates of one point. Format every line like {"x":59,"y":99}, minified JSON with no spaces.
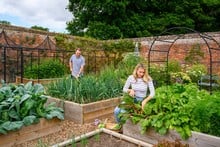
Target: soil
{"x":69,"y":129}
{"x":102,"y":140}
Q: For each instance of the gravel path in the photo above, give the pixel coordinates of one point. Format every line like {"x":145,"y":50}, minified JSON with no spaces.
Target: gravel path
{"x":69,"y":129}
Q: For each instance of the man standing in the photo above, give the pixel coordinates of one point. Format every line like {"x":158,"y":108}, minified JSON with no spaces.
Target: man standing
{"x":77,"y":63}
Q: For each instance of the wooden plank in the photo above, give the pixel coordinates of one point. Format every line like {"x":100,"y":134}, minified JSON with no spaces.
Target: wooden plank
{"x":27,"y":133}
{"x":76,"y":112}
{"x":205,"y":140}
{"x":36,"y":134}
{"x":91,"y":116}
{"x":73,"y":111}
{"x":42,"y":81}
{"x":59,"y":102}
{"x":196,"y":140}
{"x":95,"y":106}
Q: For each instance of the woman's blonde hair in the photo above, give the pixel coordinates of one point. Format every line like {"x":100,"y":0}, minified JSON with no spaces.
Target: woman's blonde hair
{"x":146,"y":76}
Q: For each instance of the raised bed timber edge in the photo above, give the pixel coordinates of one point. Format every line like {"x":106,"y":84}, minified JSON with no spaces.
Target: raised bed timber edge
{"x":196,"y":140}
{"x":27,"y":133}
{"x":84,"y":113}
{"x":41,"y":81}
{"x":112,"y":139}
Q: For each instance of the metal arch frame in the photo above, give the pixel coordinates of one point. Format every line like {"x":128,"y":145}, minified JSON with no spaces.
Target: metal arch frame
{"x":11,"y":44}
{"x":202,"y":35}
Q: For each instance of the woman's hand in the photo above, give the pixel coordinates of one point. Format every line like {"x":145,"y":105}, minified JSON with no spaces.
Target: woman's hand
{"x":131,"y":92}
{"x":144,"y":102}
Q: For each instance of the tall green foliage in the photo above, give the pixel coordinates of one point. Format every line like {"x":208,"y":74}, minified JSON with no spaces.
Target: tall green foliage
{"x":89,"y":88}
{"x":129,"y":18}
{"x":108,"y":83}
{"x":183,"y":108}
{"x":46,"y":68}
{"x":207,"y":112}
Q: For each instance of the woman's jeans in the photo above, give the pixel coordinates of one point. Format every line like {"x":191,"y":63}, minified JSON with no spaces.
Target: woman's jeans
{"x":118,"y":110}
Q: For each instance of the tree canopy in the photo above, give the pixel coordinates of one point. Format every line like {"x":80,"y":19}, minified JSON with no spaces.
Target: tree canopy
{"x":113,"y":19}
{"x":5,"y":22}
{"x":40,"y":28}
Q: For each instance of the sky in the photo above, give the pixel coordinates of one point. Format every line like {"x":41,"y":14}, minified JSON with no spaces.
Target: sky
{"x":51,"y":14}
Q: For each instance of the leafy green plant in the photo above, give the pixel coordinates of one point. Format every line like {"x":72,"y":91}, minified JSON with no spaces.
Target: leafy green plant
{"x":174,"y":66}
{"x":207,"y":113}
{"x":159,"y":74}
{"x":22,"y":105}
{"x":47,"y":68}
{"x":127,"y":65}
{"x":196,"y":71}
{"x":180,"y":77}
{"x":174,"y":107}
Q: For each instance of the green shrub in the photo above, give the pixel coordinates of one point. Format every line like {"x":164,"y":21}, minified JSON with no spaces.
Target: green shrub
{"x":207,"y":113}
{"x":196,"y":71}
{"x":159,"y":74}
{"x":127,"y":65}
{"x":47,"y":68}
{"x":174,"y":66}
{"x":180,"y":77}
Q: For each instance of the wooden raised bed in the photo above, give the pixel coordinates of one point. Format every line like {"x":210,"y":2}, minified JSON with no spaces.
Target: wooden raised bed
{"x":196,"y":140}
{"x":83,"y":113}
{"x":41,"y":81}
{"x":27,"y":133}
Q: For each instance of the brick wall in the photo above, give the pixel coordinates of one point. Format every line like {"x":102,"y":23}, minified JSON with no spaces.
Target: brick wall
{"x":181,"y":47}
{"x":178,"y":51}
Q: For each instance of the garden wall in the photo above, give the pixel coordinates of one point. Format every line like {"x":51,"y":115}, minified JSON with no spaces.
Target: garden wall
{"x":181,"y":48}
{"x":31,"y":38}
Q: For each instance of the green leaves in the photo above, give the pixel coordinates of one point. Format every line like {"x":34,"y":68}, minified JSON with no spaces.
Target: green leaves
{"x":132,"y":19}
{"x":23,"y":105}
{"x":11,"y":126}
{"x":46,"y":68}
{"x":28,"y":120}
{"x":89,"y":88}
{"x":53,"y":111}
{"x":180,"y":107}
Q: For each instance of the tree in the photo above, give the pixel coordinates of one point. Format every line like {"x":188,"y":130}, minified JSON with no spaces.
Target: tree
{"x":5,"y":22}
{"x":114,"y":19}
{"x":40,"y":28}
